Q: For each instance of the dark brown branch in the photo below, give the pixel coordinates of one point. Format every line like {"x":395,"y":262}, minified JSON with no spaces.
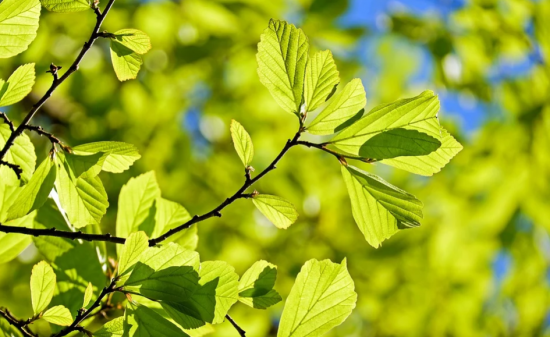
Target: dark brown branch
{"x":57,"y":81}
{"x":236,"y":326}
{"x":18,"y":171}
{"x":18,"y":324}
{"x":341,"y":156}
{"x":83,"y":314}
{"x":7,"y":121}
{"x":62,"y":234}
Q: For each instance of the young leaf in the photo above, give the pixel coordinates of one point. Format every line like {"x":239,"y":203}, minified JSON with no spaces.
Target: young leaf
{"x":35,"y":193}
{"x":58,"y":315}
{"x":321,"y":80}
{"x":21,"y":153}
{"x":140,"y":321}
{"x":169,"y":215}
{"x":432,"y":163}
{"x":341,"y":108}
{"x":88,"y":295}
{"x":83,"y":196}
{"x":120,"y":156}
{"x":42,"y":286}
{"x":242,"y":142}
{"x":256,"y":286}
{"x":133,"y":39}
{"x":131,"y":252}
{"x":279,"y":211}
{"x":282,"y":58}
{"x":135,"y":205}
{"x":322,"y":297}
{"x":417,"y":113}
{"x":114,"y":328}
{"x":380,"y":209}
{"x":399,"y":143}
{"x":125,"y":62}
{"x":18,"y":85}
{"x":18,"y":25}
{"x":11,"y":245}
{"x":66,"y":6}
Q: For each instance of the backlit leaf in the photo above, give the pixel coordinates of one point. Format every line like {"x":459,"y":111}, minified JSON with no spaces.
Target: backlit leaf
{"x":125,"y":62}
{"x":66,"y":6}
{"x":18,"y":25}
{"x":120,"y":156}
{"x":11,"y":245}
{"x":21,"y":153}
{"x":114,"y":328}
{"x":399,"y":143}
{"x":279,"y":211}
{"x":133,"y":39}
{"x":42,"y":286}
{"x":242,"y":142}
{"x":88,"y":295}
{"x":256,"y":286}
{"x":131,"y":252}
{"x":18,"y":85}
{"x":58,"y":315}
{"x":140,"y":321}
{"x":321,"y":79}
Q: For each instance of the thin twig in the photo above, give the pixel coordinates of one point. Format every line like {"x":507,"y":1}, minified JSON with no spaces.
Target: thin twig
{"x":62,"y":234}
{"x":236,"y":326}
{"x":7,"y":121}
{"x":53,"y":139}
{"x":57,"y":81}
{"x":20,"y":325}
{"x":340,"y":156}
{"x":16,"y":168}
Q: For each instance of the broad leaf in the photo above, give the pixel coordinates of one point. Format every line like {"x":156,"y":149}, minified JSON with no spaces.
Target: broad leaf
{"x":133,"y":39}
{"x":399,"y":143}
{"x":133,"y":248}
{"x":120,"y":156}
{"x":42,"y":286}
{"x":18,"y":25}
{"x":321,"y":79}
{"x":11,"y":245}
{"x":85,"y":165}
{"x":282,"y":58}
{"x":380,"y":209}
{"x":169,"y":215}
{"x":279,"y":211}
{"x":342,"y":107}
{"x":256,"y":286}
{"x":144,"y":322}
{"x":34,"y":194}
{"x":125,"y":62}
{"x":322,"y":297}
{"x":18,"y":85}
{"x":418,"y":113}
{"x":242,"y":142}
{"x":88,"y":295}
{"x":66,"y":6}
{"x":21,"y":153}
{"x":82,"y":195}
{"x":114,"y":328}
{"x":429,"y":164}
{"x":58,"y":315}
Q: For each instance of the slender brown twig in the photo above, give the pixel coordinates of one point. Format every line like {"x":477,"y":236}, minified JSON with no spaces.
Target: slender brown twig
{"x":18,"y":324}
{"x":236,"y":326}
{"x":7,"y":121}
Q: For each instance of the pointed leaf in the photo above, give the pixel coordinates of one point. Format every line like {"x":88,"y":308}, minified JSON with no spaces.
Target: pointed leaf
{"x":399,"y":143}
{"x":133,"y":39}
{"x":322,"y":297}
{"x":66,"y":6}
{"x":21,"y":153}
{"x":242,"y":142}
{"x":279,"y":211}
{"x":18,"y":85}
{"x":169,"y":215}
{"x":380,"y":209}
{"x":322,"y":77}
{"x":120,"y":156}
{"x":144,"y":322}
{"x":18,"y":25}
{"x":42,"y":286}
{"x":125,"y":62}
{"x":114,"y":328}
{"x":256,"y":286}
{"x":58,"y":315}
{"x":88,"y":295}
{"x":282,"y":58}
{"x":133,"y":248}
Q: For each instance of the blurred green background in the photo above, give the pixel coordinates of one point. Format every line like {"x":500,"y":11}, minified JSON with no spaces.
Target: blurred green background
{"x":480,"y":263}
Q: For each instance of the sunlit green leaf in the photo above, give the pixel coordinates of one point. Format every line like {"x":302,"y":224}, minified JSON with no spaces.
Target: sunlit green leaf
{"x":398,"y":143}
{"x":120,"y":156}
{"x":88,"y":165}
{"x":58,"y":315}
{"x":42,"y":286}
{"x":11,"y":245}
{"x":144,"y":322}
{"x":66,"y":6}
{"x":125,"y":62}
{"x":18,"y":25}
{"x":133,"y":39}
{"x":242,"y":142}
{"x":379,"y":209}
{"x":169,"y":215}
{"x":322,"y":297}
{"x":49,"y":246}
{"x":133,"y":248}
{"x":88,"y":295}
{"x":114,"y":328}
{"x":256,"y":286}
{"x":282,"y":58}
{"x":18,"y":85}
{"x":322,"y":77}
{"x":279,"y":211}
{"x":21,"y":153}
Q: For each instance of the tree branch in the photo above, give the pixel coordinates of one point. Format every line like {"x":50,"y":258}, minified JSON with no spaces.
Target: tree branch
{"x":236,"y":326}
{"x":62,"y":234}
{"x":53,"y":139}
{"x":57,"y":81}
{"x":20,"y":325}
{"x":7,"y":121}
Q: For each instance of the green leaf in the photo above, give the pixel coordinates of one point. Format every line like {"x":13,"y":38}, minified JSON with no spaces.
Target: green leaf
{"x":322,"y":297}
{"x":83,"y":196}
{"x":85,"y":165}
{"x":21,"y":153}
{"x":8,"y":195}
{"x":256,"y":286}
{"x":114,"y":328}
{"x":432,"y":163}
{"x":49,"y":246}
{"x":7,"y":330}
{"x":169,"y":215}
{"x":36,"y":192}
{"x":282,"y":58}
{"x":380,"y":209}
{"x":125,"y":62}
{"x":399,"y":143}
{"x":133,"y":39}
{"x":279,"y":211}
{"x":120,"y":156}
{"x":144,"y":322}
{"x":417,"y":113}
{"x":58,"y":315}
{"x":18,"y":25}
{"x":42,"y":286}
{"x":88,"y":295}
{"x":18,"y":85}
{"x":135,"y":205}
{"x":342,"y":107}
{"x":242,"y":142}
{"x":133,"y":248}
{"x":321,"y":80}
{"x":66,"y":6}
{"x":11,"y":245}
